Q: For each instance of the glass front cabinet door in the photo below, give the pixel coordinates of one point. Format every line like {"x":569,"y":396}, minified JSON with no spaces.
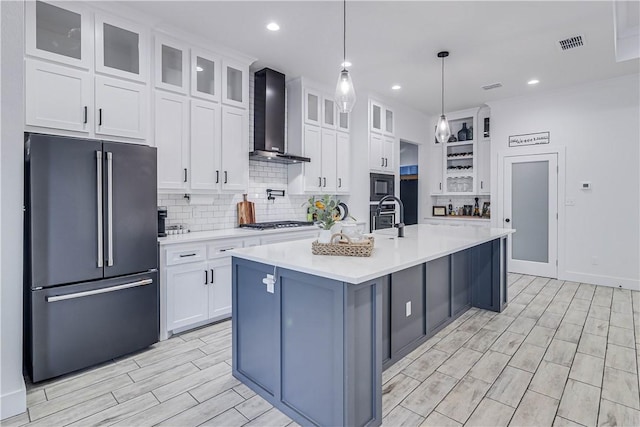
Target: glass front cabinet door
{"x":312,"y":108}
{"x":59,"y":33}
{"x":235,"y":84}
{"x":121,"y":48}
{"x":205,"y":75}
{"x":171,"y":65}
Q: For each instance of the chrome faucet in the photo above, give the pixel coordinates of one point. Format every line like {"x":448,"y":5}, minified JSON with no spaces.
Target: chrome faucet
{"x":399,"y":225}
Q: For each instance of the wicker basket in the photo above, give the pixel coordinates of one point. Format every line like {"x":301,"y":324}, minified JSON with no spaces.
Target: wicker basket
{"x":343,"y":247}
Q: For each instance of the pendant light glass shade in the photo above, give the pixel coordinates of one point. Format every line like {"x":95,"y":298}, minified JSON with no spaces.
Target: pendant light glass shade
{"x":443,"y":131}
{"x":345,"y":96}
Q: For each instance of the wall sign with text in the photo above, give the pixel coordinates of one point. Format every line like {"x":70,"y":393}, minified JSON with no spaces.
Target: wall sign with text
{"x":529,"y":139}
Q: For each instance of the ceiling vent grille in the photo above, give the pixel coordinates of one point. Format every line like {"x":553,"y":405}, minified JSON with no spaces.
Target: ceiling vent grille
{"x":571,"y":43}
{"x":492,"y":86}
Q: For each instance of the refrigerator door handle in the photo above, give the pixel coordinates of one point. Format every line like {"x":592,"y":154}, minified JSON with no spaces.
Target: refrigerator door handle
{"x":110,"y":208}
{"x":99,"y":205}
{"x":143,"y":282}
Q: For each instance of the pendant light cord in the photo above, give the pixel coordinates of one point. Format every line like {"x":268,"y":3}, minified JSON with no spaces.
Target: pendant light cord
{"x":344,"y":35}
{"x":442,"y":86}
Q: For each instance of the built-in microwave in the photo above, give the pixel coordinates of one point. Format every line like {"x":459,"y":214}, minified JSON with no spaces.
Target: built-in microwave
{"x":381,"y":185}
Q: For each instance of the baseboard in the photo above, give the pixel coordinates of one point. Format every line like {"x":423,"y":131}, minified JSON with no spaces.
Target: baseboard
{"x":613,"y":282}
{"x":13,"y":403}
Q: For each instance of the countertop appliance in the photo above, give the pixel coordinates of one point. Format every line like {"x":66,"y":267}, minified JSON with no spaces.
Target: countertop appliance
{"x":381,"y":185}
{"x":386,"y":218}
{"x":162,"y":219}
{"x":268,"y":119}
{"x":91,"y":254}
{"x":276,"y":224}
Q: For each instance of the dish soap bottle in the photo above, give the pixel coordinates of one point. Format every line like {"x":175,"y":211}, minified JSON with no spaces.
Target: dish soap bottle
{"x":462,"y":134}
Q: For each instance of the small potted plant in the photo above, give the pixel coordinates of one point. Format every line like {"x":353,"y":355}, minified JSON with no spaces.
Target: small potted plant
{"x":326,"y":212}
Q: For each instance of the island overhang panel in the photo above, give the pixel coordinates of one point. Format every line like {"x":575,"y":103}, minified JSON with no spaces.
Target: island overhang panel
{"x":312,"y":334}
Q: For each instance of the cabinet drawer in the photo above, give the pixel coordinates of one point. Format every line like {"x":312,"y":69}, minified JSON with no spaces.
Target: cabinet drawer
{"x":186,"y":255}
{"x":219,"y":248}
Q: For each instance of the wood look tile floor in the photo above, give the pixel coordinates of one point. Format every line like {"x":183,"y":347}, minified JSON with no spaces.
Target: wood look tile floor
{"x":562,"y":353}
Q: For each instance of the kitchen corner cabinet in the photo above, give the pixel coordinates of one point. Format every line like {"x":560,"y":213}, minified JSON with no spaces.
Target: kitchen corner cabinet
{"x":171,"y":138}
{"x":318,"y":131}
{"x":235,"y":84}
{"x":62,"y":33}
{"x":171,"y":67}
{"x":121,"y":48}
{"x":121,"y":108}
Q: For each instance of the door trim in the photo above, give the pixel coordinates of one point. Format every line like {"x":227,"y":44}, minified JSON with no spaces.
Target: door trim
{"x":496,"y":220}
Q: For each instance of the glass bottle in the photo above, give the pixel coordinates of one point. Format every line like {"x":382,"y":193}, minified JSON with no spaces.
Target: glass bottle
{"x":470,"y":133}
{"x":450,"y":207}
{"x":462,"y":134}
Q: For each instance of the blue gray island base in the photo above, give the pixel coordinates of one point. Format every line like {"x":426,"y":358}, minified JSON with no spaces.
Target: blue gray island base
{"x":315,"y":348}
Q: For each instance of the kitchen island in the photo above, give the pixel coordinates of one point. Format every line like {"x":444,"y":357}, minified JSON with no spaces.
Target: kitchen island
{"x":312,"y":334}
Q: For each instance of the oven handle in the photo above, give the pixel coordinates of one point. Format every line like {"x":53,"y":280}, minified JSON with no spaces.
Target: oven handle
{"x":100,"y":291}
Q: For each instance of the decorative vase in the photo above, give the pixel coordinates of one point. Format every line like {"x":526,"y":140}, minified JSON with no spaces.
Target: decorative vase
{"x":462,"y":134}
{"x":324,"y":236}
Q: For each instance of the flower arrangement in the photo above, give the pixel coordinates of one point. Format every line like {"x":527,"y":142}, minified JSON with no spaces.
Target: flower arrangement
{"x":325,"y":209}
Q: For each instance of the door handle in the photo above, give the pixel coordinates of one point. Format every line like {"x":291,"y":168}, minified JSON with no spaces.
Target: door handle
{"x":110,"y":208}
{"x":440,"y":184}
{"x":507,"y":220}
{"x":211,"y":276}
{"x":217,"y":177}
{"x":85,"y":115}
{"x":142,"y":282}
{"x":382,"y":161}
{"x":99,"y":206}
{"x":185,"y":174}
{"x":100,"y":117}
{"x":206,"y":278}
{"x":481,"y":185}
{"x":385,"y":162}
{"x":325,"y":182}
{"x":339,"y":182}
{"x":225,"y":177}
{"x":319,"y":181}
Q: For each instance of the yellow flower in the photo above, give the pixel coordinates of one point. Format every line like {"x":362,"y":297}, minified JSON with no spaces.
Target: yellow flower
{"x":319,"y":204}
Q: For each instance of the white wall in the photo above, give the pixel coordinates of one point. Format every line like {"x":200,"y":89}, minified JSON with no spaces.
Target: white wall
{"x":12,"y":389}
{"x":408,"y":154}
{"x":599,"y":124}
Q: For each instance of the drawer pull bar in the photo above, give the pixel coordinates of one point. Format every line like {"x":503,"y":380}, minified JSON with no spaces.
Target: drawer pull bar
{"x":227,"y":249}
{"x":187,"y":255}
{"x":100,"y":291}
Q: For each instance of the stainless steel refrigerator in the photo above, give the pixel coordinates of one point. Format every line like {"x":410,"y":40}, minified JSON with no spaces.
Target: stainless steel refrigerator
{"x":91,"y":253}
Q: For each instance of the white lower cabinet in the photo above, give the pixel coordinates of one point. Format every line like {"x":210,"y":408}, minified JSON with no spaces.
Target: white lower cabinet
{"x":187,"y":295}
{"x":219,"y":288}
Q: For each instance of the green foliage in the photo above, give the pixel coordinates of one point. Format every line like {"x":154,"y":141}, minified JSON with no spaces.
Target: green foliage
{"x":325,"y":208}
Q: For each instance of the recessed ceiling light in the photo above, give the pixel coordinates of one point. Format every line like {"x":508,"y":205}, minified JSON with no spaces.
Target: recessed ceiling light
{"x":199,"y":68}
{"x":396,"y":87}
{"x":346,"y":64}
{"x":272,"y":26}
{"x":533,"y":82}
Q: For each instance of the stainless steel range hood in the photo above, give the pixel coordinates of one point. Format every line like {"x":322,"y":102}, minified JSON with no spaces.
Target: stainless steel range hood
{"x":268,"y":119}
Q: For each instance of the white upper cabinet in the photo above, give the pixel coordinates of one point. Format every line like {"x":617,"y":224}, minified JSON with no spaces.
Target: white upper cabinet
{"x":58,"y":97}
{"x":376,"y":152}
{"x":235,"y":84}
{"x":328,"y":161}
{"x":343,"y":166}
{"x":205,"y":145}
{"x":121,"y":48}
{"x":389,"y":123}
{"x":313,"y":150}
{"x":434,"y":170}
{"x":120,"y":108}
{"x":328,"y":113}
{"x":343,"y":121}
{"x":376,"y":120}
{"x":171,"y":140}
{"x":61,"y":33}
{"x":235,"y":150}
{"x":312,"y":109}
{"x":205,"y":75}
{"x":388,"y":152}
{"x":171,"y":65}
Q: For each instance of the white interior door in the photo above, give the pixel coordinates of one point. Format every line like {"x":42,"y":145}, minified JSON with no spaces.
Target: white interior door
{"x":531,"y":208}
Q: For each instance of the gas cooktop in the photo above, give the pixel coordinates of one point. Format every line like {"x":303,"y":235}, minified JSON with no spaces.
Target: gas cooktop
{"x":275,"y":224}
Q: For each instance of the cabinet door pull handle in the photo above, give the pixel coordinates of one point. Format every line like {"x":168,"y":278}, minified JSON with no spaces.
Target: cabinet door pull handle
{"x":211,"y":276}
{"x":319,"y":181}
{"x":85,"y":114}
{"x":325,"y":182}
{"x":385,"y":162}
{"x":382,"y":161}
{"x":206,"y":278}
{"x":185,"y":174}
{"x":481,"y":185}
{"x":100,"y":117}
{"x":440,"y":186}
{"x":217,"y":177}
{"x":187,"y":255}
{"x":225,"y":177}
{"x":339,"y":182}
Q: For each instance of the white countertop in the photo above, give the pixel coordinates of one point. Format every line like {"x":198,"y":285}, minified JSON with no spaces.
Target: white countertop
{"x":422,"y":243}
{"x":230,"y":233}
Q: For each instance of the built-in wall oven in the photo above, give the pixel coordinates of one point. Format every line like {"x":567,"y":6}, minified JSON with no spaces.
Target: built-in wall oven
{"x":381,"y":185}
{"x":386,"y":218}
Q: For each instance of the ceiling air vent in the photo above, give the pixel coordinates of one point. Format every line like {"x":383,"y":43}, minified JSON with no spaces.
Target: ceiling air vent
{"x":570,"y":43}
{"x":492,"y":86}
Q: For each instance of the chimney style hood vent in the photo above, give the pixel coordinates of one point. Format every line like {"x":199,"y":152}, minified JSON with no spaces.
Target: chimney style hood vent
{"x":268,"y":119}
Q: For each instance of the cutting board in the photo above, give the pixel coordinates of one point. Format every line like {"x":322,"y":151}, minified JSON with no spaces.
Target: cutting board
{"x":246,"y":211}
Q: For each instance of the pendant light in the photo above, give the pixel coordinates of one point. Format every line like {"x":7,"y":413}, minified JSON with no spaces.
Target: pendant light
{"x":345,"y":95}
{"x":443,"y":131}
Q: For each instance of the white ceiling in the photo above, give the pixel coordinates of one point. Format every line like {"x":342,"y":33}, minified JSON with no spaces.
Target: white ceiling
{"x":395,"y":42}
